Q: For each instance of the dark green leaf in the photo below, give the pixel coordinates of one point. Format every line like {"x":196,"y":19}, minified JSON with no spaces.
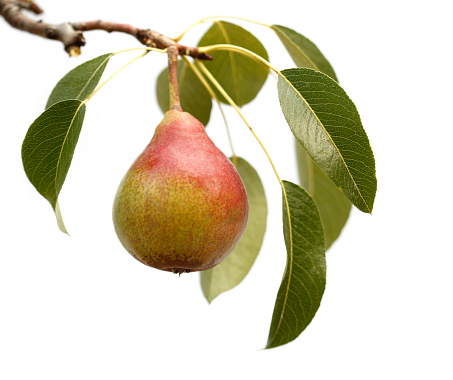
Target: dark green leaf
{"x":235,"y":267}
{"x":332,"y":205}
{"x":240,"y":76}
{"x":303,"y":52}
{"x":304,"y":280}
{"x":325,"y":121}
{"x":80,"y":82}
{"x":194,"y":97}
{"x":48,"y":149}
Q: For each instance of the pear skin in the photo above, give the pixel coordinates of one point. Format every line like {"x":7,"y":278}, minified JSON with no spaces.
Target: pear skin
{"x":182,"y":206}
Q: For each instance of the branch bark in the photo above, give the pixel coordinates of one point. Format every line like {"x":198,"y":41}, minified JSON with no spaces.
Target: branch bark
{"x":71,"y":34}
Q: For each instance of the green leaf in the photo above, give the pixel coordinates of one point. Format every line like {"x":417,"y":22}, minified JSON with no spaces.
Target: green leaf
{"x":80,"y":82}
{"x":332,"y":205}
{"x":303,"y":52}
{"x":325,"y":121}
{"x":304,"y":280}
{"x":194,"y":97}
{"x":240,"y":76}
{"x":48,"y":149}
{"x":235,"y":267}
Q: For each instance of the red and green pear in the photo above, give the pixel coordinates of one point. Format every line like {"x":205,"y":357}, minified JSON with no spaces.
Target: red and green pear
{"x":182,"y":206}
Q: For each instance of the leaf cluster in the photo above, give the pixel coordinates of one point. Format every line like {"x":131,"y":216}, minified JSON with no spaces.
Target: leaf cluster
{"x":335,"y":160}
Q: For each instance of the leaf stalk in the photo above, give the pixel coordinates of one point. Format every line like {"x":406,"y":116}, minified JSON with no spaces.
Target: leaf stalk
{"x":213,"y":94}
{"x":233,"y":104}
{"x":289,"y":263}
{"x":214,"y":19}
{"x":147,"y":50}
{"x":238,"y":49}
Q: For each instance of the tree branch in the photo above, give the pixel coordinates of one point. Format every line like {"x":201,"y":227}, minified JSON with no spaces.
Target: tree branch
{"x":71,"y":34}
{"x":30,"y":5}
{"x":11,"y":10}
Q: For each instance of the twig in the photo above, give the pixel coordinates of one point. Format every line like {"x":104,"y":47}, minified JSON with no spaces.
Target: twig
{"x":11,"y":10}
{"x":71,"y":34}
{"x":30,"y":5}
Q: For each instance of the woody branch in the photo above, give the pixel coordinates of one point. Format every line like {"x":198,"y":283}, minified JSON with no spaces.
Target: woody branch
{"x":71,"y":34}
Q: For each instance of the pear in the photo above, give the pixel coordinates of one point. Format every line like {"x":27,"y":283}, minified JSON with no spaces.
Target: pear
{"x":182,"y":206}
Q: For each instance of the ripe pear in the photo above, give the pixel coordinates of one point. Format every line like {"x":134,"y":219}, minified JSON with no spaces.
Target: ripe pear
{"x":182,"y":206}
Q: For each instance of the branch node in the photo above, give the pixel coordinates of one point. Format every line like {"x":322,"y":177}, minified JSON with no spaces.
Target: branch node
{"x":28,"y":5}
{"x":74,"y":51}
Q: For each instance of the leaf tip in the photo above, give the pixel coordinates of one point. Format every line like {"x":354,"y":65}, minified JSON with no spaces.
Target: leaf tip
{"x":270,"y":344}
{"x":210,"y":297}
{"x":60,"y":222}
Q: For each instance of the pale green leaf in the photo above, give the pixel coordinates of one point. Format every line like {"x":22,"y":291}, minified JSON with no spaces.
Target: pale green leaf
{"x":304,"y":280}
{"x":240,"y":76}
{"x":80,"y":82}
{"x":194,"y":97}
{"x":235,"y":267}
{"x":303,"y":52}
{"x":60,"y":222}
{"x":332,"y":205}
{"x":325,"y":121}
{"x":48,"y":148}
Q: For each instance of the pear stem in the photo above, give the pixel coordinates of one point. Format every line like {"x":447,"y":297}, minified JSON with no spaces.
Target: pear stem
{"x":173,"y":78}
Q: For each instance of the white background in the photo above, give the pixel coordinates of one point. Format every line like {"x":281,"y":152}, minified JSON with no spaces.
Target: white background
{"x":81,"y":307}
